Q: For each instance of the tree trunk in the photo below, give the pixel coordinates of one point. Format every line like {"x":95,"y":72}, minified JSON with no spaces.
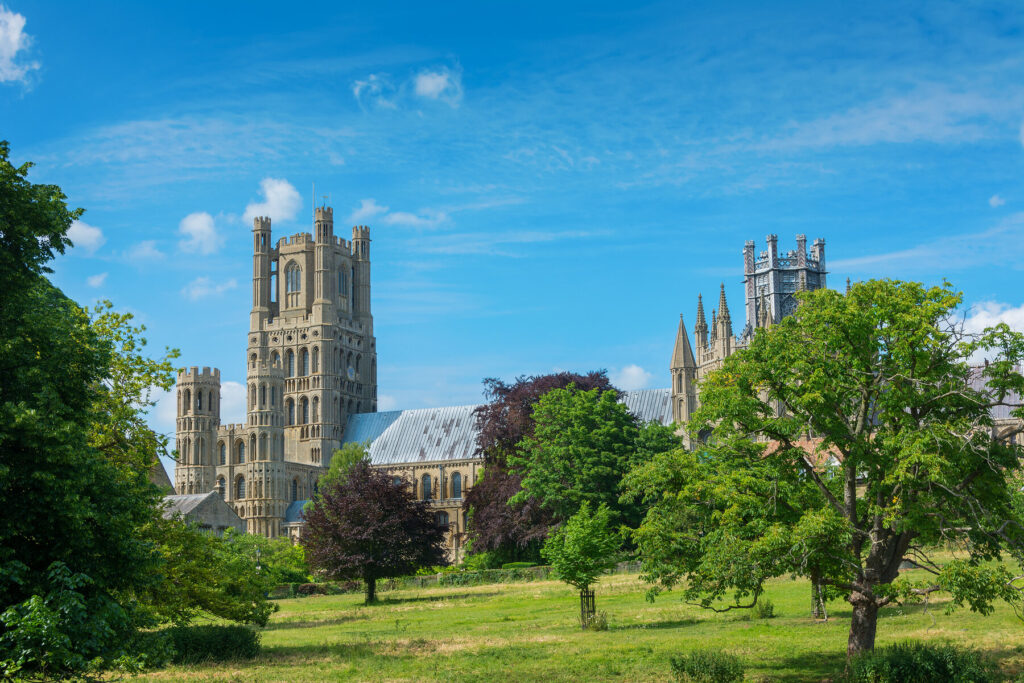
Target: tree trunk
{"x":863,"y":625}
{"x":371,"y":590}
{"x":587,"y":607}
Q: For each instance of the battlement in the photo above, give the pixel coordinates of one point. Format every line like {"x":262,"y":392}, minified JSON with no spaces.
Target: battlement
{"x":194,"y":375}
{"x":261,"y":223}
{"x":360,"y":232}
{"x":770,"y":258}
{"x":324,"y":213}
{"x":296,"y":239}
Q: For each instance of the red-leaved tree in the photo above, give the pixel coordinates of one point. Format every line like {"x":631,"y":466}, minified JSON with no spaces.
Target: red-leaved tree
{"x":367,"y":527}
{"x":512,"y":531}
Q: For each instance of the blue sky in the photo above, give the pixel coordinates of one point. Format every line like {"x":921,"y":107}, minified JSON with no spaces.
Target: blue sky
{"x":548,"y":185}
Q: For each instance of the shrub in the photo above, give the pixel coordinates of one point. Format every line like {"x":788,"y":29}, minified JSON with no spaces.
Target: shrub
{"x":598,"y":622}
{"x":310,"y":589}
{"x":193,"y":644}
{"x":707,"y":666}
{"x":920,"y":662}
{"x":518,"y":565}
{"x":764,"y":609}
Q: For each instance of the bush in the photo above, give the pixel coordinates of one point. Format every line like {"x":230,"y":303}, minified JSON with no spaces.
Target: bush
{"x":921,"y":663}
{"x":707,"y":666}
{"x":764,"y":609}
{"x":598,"y":622}
{"x":193,"y":644}
{"x":310,"y":589}
{"x":518,"y":565}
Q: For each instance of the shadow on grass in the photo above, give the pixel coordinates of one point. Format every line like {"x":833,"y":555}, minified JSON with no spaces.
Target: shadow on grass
{"x":314,"y":623}
{"x":652,"y":625}
{"x":385,"y":601}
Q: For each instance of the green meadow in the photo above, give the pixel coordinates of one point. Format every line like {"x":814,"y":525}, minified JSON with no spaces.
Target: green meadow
{"x":529,"y":632}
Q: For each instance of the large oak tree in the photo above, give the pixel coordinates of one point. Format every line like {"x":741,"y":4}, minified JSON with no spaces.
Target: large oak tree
{"x":848,"y":437}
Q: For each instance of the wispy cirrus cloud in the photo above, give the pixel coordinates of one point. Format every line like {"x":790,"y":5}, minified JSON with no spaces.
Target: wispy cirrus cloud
{"x":370,"y":211}
{"x":203,"y":287}
{"x":500,"y":243}
{"x":442,"y":84}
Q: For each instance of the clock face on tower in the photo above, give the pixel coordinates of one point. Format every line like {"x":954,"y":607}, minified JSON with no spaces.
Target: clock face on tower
{"x":351,"y":372}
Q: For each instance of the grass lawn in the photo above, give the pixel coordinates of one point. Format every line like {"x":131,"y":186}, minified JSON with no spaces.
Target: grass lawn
{"x":528,"y":632}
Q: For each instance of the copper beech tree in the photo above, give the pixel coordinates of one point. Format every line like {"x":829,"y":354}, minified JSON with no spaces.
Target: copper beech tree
{"x":852,"y":435}
{"x":366,"y":526}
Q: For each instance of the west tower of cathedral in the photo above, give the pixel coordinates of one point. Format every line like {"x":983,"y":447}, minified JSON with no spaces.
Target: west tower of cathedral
{"x":770,"y":282}
{"x":311,"y":362}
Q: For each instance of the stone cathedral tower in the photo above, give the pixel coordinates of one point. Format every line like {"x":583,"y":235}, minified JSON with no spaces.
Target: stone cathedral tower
{"x":770,"y":282}
{"x":311,"y":362}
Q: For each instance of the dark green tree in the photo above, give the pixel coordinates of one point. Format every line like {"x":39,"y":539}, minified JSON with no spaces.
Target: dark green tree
{"x":848,"y":437}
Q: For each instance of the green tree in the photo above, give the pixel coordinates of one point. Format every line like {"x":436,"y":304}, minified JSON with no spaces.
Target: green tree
{"x":847,"y":437}
{"x":583,"y":549}
{"x":582,"y":445}
{"x":280,"y":561}
{"x":343,"y":460}
{"x":69,"y":515}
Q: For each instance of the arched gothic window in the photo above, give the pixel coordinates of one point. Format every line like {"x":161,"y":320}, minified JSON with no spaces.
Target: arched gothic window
{"x":303,"y":363}
{"x":209,"y":406}
{"x":187,"y":403}
{"x":199,"y":400}
{"x":316,"y":409}
{"x":263,"y":396}
{"x":221,"y":487}
{"x":293,"y":279}
{"x":316,"y":359}
{"x":341,"y":282}
{"x":441,"y":519}
{"x":305,"y":410}
{"x":240,"y":452}
{"x":222,"y":455}
{"x":273,"y":398}
{"x":295,"y":490}
{"x":426,"y":487}
{"x":290,"y":363}
{"x":240,"y":488}
{"x":275,"y":358}
{"x":290,"y":404}
{"x":456,"y":485}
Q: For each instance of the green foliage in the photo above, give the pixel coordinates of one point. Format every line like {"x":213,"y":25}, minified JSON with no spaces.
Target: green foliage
{"x":584,"y":547}
{"x":917,"y":662}
{"x":518,"y":565}
{"x":342,"y":461}
{"x":764,"y":609}
{"x":597,"y":622}
{"x":582,"y":445}
{"x":707,"y":666}
{"x":206,"y":574}
{"x":903,"y":459}
{"x":280,"y":561}
{"x":70,"y":630}
{"x":196,"y":644}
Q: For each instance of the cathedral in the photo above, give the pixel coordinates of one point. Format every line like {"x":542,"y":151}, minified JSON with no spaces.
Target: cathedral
{"x":770,"y":282}
{"x":311,"y":362}
{"x":311,"y":383}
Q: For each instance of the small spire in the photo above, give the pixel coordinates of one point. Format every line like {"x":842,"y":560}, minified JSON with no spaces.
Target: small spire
{"x":682,"y":354}
{"x":723,"y":307}
{"x":701,"y":321}
{"x":847,"y":285}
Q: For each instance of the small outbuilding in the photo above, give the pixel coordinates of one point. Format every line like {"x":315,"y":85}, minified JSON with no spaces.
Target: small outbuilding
{"x":208,"y":511}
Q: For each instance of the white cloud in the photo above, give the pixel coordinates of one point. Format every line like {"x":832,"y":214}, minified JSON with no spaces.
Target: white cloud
{"x":144,"y":251}
{"x":442,"y":84}
{"x":427,"y":218}
{"x":203,"y":287}
{"x":376,"y":90}
{"x":995,"y":201}
{"x":87,"y":237}
{"x":13,"y":40}
{"x":386,"y":402}
{"x":989,"y":313}
{"x":368,"y":208}
{"x":96,"y":280}
{"x":630,"y":378}
{"x":281,"y":201}
{"x":200,"y":232}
